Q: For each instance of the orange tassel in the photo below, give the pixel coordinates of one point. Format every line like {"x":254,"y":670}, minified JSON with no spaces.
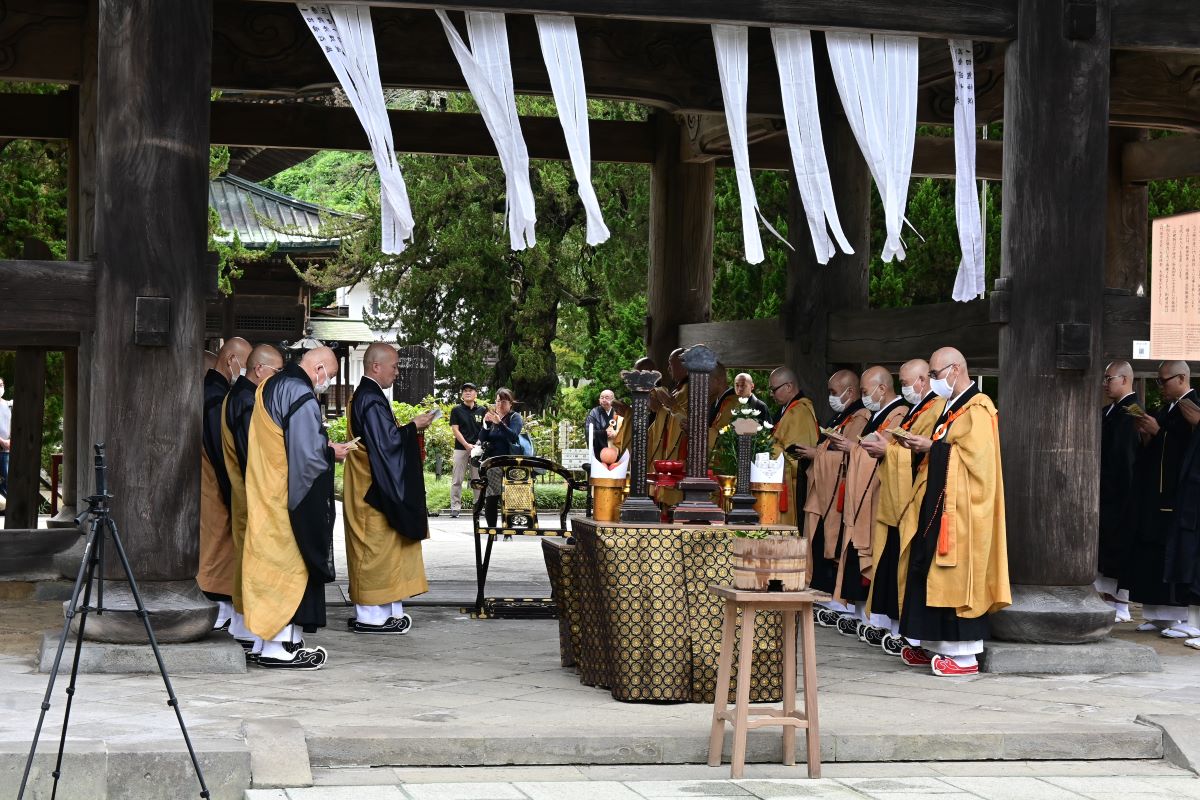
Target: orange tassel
{"x":943,"y":547}
{"x":783,"y":498}
{"x":841,"y":497}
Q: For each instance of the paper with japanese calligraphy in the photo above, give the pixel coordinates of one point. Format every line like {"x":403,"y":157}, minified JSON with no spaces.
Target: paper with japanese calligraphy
{"x":1175,"y":287}
{"x":347,"y":39}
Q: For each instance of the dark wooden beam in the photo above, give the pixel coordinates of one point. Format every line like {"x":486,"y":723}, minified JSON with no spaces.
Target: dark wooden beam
{"x":1161,"y":159}
{"x":36,"y":116}
{"x":313,"y":127}
{"x":1155,"y":25}
{"x":933,"y":157}
{"x":25,"y":459}
{"x":894,"y":335}
{"x":739,"y":344}
{"x":994,"y":20}
{"x":47,"y":296}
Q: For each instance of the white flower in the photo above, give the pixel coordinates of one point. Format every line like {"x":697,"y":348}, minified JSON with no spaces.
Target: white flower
{"x":755,"y":412}
{"x":768,"y":425}
{"x":743,"y":400}
{"x":724,"y":430}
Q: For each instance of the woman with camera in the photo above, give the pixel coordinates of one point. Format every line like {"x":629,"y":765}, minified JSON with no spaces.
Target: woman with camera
{"x":499,"y":436}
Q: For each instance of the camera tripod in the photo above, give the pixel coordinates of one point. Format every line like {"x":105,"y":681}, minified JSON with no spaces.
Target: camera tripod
{"x":91,"y":575}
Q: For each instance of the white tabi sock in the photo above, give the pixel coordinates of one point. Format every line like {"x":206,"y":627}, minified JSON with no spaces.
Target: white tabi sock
{"x":879,"y":621}
{"x":965,"y":661}
{"x":895,"y":627}
{"x":238,"y":629}
{"x":955,"y":650}
{"x":273,"y":648}
{"x":225,"y":612}
{"x":1165,"y":616}
{"x":1105,"y":585}
{"x":1194,"y":617}
{"x":377,"y":615}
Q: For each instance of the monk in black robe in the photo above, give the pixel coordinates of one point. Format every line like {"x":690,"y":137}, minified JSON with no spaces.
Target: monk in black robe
{"x":288,"y":554}
{"x":384,"y":502}
{"x":1183,"y":537}
{"x":1118,"y":452}
{"x":1165,"y":439}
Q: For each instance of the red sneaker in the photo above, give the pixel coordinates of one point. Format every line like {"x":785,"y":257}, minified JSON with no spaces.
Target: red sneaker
{"x":948,"y":667}
{"x":915,"y":656}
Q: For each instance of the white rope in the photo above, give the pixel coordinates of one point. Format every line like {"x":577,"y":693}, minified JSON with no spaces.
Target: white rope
{"x":347,"y":38}
{"x":732,"y":47}
{"x":797,"y":85}
{"x":970,"y":282}
{"x":876,"y":78}
{"x":487,"y":68}
{"x":560,"y":50}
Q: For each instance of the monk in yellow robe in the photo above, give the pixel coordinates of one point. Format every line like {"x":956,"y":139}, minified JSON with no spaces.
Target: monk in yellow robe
{"x":265,"y":360}
{"x":895,"y":521}
{"x":825,"y":501}
{"x":216,"y":568}
{"x":384,"y":496}
{"x":287,"y":557}
{"x":795,"y":429}
{"x":958,"y":560}
{"x":667,"y":437}
{"x":856,"y":556}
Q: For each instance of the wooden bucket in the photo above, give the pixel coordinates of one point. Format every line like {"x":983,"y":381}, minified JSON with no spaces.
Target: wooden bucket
{"x":776,"y":563}
{"x":607,"y":494}
{"x":766,"y":501}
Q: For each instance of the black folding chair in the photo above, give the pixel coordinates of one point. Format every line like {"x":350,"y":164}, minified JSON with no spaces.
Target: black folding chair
{"x":516,"y":516}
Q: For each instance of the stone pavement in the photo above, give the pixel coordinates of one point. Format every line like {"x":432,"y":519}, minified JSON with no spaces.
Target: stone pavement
{"x":457,"y":692}
{"x":960,"y":781}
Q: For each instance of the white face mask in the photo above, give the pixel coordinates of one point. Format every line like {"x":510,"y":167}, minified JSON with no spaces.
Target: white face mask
{"x":941,"y":387}
{"x":910,"y":394}
{"x":323,"y":387}
{"x":835,"y":402}
{"x":872,"y":405}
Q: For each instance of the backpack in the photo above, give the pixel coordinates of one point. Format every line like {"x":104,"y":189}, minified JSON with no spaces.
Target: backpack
{"x":525,"y":442}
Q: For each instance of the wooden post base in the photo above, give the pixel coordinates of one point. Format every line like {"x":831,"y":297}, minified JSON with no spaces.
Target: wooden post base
{"x":697,"y":505}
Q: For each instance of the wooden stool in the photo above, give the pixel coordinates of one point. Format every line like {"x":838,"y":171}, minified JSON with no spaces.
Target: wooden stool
{"x":749,"y":602}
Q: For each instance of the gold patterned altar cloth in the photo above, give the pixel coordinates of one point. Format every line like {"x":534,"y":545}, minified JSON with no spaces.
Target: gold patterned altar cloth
{"x":636,"y":616}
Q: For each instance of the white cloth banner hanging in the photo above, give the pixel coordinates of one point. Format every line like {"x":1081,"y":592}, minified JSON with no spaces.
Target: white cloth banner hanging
{"x":876,"y":77}
{"x":798,"y":87}
{"x":969,"y":283}
{"x":733,"y":57}
{"x":560,"y":49}
{"x":347,"y":38}
{"x":487,"y":68}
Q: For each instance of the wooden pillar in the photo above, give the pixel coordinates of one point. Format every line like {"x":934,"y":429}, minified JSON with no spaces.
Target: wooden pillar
{"x":1127,"y":238}
{"x":814,"y":289}
{"x":1056,"y":98}
{"x":81,"y":245}
{"x":153,"y":74}
{"x":679,"y":282}
{"x":25,"y":457}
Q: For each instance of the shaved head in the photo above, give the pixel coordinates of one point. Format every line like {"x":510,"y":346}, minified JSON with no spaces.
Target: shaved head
{"x":267,"y":355}
{"x":232,"y":357}
{"x":381,"y":363}
{"x":842,"y":380}
{"x":1175,"y":379}
{"x":1118,"y":380}
{"x":379,"y":353}
{"x":941,"y":362}
{"x":320,"y":364}
{"x":875,"y":376}
{"x":914,"y":376}
{"x":743,"y":384}
{"x":675,"y":366}
{"x":265,"y":360}
{"x":782,"y":385}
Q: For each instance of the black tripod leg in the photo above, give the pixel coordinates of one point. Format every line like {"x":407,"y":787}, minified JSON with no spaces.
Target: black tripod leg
{"x":172,"y":700}
{"x":86,"y":570}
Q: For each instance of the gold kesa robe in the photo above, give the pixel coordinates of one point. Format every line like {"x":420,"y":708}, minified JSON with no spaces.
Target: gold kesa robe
{"x":797,"y":425}
{"x":274,"y":575}
{"x":862,"y":500}
{"x":896,"y":505}
{"x":970,"y":574}
{"x":724,"y":417}
{"x":667,"y":435}
{"x":826,"y":475}
{"x":237,"y":504}
{"x":384,"y":566}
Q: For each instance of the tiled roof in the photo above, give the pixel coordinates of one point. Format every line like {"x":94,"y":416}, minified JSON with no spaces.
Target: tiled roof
{"x":243,"y":205}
